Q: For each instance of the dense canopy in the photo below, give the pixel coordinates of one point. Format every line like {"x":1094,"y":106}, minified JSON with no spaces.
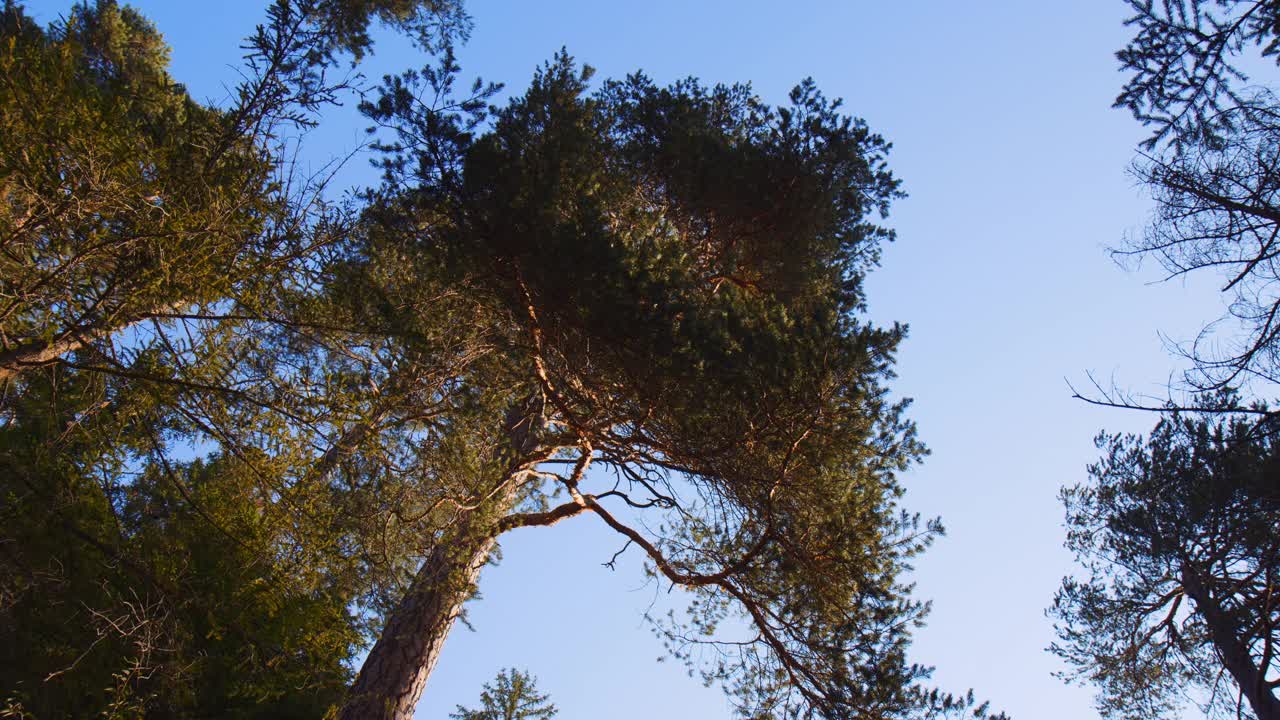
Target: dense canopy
{"x":212,"y":375}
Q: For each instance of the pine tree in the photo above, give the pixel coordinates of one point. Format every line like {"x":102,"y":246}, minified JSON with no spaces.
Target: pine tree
{"x":1178,"y":535}
{"x":512,"y":695}
{"x":670,"y":281}
{"x":1211,"y":166}
{"x":663,"y":283}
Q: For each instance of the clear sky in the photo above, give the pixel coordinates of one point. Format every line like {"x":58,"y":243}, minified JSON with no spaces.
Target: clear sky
{"x":1015,"y":165}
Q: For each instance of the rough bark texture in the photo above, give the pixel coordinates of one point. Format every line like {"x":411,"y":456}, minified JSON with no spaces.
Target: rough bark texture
{"x":1235,"y":655}
{"x":393,"y":676}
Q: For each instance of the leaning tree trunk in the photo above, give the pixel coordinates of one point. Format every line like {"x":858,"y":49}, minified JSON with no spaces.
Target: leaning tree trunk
{"x":395,"y":672}
{"x":1234,"y":653}
{"x":393,"y":676}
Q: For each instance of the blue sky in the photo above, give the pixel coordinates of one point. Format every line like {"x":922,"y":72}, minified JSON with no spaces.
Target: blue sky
{"x":1015,"y":166}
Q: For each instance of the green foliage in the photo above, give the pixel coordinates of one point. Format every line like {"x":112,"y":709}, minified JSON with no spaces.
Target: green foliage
{"x":136,"y":586}
{"x":512,"y":695}
{"x":677,"y":271}
{"x":180,"y":537}
{"x":1178,"y":535}
{"x":1177,"y":531}
{"x":236,"y":418}
{"x":120,"y":198}
{"x":432,"y":24}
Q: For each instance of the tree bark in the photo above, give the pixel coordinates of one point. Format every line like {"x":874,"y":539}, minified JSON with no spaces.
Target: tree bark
{"x":394,"y":674}
{"x":1234,"y":653}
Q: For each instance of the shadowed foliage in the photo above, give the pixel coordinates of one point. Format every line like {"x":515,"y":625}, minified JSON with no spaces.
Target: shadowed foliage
{"x":1178,"y":535}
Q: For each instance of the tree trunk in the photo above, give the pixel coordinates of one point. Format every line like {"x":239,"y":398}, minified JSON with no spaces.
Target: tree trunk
{"x":395,"y":672}
{"x":393,"y":676}
{"x":1234,"y":653}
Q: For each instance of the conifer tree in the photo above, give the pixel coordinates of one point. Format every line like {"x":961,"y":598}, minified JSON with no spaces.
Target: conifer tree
{"x":512,"y":695}
{"x":1211,"y":165}
{"x":124,"y":201}
{"x":162,"y":289}
{"x":671,"y":280}
{"x":1178,"y":535}
{"x":636,"y":303}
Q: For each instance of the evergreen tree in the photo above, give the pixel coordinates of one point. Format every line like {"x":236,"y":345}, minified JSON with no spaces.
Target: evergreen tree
{"x":512,"y":695}
{"x":1211,"y":165}
{"x":670,"y":279}
{"x":1179,"y":537}
{"x":163,"y":299}
{"x":663,"y":283}
{"x":133,"y":585}
{"x":123,"y":199}
{"x":1177,"y":531}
